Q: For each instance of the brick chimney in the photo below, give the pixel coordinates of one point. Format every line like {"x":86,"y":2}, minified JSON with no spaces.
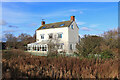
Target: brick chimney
{"x":43,"y":22}
{"x":72,"y":18}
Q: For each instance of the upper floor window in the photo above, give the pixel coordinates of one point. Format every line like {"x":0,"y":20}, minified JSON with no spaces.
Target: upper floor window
{"x":59,"y":35}
{"x":72,"y":26}
{"x":50,"y":36}
{"x":42,"y":36}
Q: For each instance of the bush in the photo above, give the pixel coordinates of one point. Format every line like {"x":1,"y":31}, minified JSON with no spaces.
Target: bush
{"x":89,"y":45}
{"x":52,"y":54}
{"x":106,"y":54}
{"x":13,"y":54}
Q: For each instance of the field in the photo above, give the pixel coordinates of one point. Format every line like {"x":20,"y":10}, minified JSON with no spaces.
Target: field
{"x":20,"y":64}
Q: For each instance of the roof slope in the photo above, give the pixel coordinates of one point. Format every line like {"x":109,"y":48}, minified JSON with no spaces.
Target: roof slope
{"x":55,"y":25}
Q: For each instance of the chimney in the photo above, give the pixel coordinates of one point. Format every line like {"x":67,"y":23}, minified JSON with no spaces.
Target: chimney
{"x":72,"y":18}
{"x":43,"y":22}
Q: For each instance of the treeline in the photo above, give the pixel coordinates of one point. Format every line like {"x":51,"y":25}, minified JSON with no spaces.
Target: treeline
{"x":19,"y":42}
{"x":105,"y":45}
{"x":90,"y":46}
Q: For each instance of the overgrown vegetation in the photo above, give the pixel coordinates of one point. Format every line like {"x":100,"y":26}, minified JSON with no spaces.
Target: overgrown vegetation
{"x":105,"y":46}
{"x":18,"y":66}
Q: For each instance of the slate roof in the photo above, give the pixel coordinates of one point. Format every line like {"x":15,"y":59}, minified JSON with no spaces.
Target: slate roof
{"x":55,"y":25}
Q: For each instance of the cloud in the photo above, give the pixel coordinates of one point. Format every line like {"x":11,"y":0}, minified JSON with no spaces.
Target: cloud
{"x":63,"y":20}
{"x":73,"y":10}
{"x":33,"y":24}
{"x":9,"y":31}
{"x":85,"y":29}
{"x":12,"y":26}
{"x":81,"y":12}
{"x":23,"y":16}
{"x":80,"y":23}
{"x":94,"y":25}
{"x":2,"y":22}
{"x":2,"y":38}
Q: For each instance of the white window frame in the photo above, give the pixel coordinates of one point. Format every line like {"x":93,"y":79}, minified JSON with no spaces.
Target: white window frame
{"x":41,"y":36}
{"x":71,"y":47}
{"x":60,"y":34}
{"x":51,"y":34}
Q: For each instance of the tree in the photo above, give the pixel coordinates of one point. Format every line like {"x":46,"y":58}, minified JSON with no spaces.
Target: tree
{"x":11,"y":41}
{"x":24,"y":39}
{"x":53,"y":45}
{"x":89,"y":45}
{"x":111,"y":38}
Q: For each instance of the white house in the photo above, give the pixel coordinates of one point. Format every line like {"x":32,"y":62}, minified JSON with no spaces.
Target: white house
{"x":67,"y":33}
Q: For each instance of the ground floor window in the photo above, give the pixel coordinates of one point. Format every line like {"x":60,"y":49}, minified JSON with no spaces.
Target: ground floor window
{"x":28,"y":48}
{"x":38,"y":48}
{"x":60,"y":45}
{"x":70,"y":46}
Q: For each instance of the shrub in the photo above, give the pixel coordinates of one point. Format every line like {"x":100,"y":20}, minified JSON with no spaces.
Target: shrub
{"x":14,"y":54}
{"x":106,"y":54}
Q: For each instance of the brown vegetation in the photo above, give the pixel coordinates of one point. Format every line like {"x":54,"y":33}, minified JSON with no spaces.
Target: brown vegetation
{"x":28,"y":66}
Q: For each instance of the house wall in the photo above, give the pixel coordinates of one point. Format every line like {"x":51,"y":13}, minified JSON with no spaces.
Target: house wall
{"x":46,"y":33}
{"x":73,"y":36}
{"x":69,"y":36}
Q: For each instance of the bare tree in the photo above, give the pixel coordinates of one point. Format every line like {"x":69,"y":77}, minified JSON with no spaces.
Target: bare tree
{"x":11,"y":41}
{"x":24,"y":39}
{"x":53,"y":44}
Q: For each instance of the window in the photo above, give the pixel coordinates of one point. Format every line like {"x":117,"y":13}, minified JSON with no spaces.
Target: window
{"x":61,"y":46}
{"x":28,"y":48}
{"x":50,"y":36}
{"x":45,"y":48}
{"x":42,"y":36}
{"x":72,"y":26}
{"x":43,"y":27}
{"x":59,"y":35}
{"x":70,"y":46}
{"x":42,"y":48}
{"x":52,"y":26}
{"x":62,"y":24}
{"x":38,"y":49}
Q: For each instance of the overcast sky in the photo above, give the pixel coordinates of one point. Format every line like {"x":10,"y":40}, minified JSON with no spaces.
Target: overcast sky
{"x":91,"y":17}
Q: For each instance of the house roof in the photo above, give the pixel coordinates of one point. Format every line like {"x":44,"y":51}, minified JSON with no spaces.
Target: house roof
{"x":55,"y":25}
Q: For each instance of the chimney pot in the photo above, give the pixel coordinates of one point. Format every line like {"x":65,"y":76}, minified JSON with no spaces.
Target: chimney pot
{"x":72,"y":18}
{"x":43,"y":22}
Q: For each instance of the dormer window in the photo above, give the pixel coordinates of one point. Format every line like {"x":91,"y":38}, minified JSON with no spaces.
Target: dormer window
{"x":42,"y":36}
{"x":43,"y":27}
{"x":52,"y":26}
{"x":62,"y":24}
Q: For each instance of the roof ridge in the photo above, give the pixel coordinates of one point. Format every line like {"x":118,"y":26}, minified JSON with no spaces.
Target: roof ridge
{"x":57,"y":22}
